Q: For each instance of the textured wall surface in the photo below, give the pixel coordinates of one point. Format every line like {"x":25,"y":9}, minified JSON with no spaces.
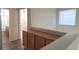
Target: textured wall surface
{"x":43,"y":18}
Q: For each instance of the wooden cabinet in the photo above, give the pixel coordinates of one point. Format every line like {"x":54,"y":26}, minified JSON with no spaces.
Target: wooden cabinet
{"x":25,"y":39}
{"x":34,"y":40}
{"x":30,"y":41}
{"x":39,"y":42}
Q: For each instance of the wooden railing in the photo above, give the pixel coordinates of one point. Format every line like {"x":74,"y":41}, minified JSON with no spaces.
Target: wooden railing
{"x":35,"y":40}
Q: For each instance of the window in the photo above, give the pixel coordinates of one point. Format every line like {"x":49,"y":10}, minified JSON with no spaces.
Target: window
{"x":67,"y":17}
{"x":4,"y":18}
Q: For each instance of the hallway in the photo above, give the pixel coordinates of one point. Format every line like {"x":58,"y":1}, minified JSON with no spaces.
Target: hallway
{"x":8,"y":18}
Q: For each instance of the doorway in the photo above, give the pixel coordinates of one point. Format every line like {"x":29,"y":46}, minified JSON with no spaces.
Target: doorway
{"x":10,"y":29}
{"x":5,"y":26}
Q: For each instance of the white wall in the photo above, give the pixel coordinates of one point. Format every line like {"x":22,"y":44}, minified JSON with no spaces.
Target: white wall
{"x":74,"y":45}
{"x":14,"y":24}
{"x":43,"y":18}
{"x":47,"y":18}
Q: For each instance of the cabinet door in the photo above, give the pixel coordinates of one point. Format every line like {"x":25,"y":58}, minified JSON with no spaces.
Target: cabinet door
{"x":39,"y":42}
{"x":25,"y":39}
{"x":30,"y":41}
